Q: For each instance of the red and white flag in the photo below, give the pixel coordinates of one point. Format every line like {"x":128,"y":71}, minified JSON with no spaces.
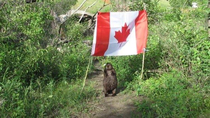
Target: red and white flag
{"x":120,"y":33}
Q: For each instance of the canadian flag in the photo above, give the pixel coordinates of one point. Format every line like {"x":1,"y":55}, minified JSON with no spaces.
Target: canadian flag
{"x":120,"y":33}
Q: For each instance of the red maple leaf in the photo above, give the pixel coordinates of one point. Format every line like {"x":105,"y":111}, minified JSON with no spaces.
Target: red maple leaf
{"x":122,"y":36}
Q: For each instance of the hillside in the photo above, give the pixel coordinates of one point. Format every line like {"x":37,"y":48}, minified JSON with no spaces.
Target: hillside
{"x":46,"y":69}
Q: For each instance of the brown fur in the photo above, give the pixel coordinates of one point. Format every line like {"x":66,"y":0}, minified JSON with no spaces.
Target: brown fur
{"x":110,"y":80}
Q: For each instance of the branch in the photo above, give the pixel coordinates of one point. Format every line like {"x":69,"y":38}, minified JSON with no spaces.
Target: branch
{"x":63,"y":17}
{"x":92,"y":20}
{"x":104,"y":5}
{"x":2,"y":5}
{"x":86,"y":10}
{"x":77,"y":8}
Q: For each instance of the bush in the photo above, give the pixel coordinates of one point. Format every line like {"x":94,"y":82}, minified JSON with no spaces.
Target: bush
{"x":152,"y":9}
{"x":172,"y":95}
{"x":25,"y":53}
{"x":45,"y":101}
{"x":62,"y":6}
{"x":176,"y":42}
{"x":180,"y":3}
{"x":36,"y":79}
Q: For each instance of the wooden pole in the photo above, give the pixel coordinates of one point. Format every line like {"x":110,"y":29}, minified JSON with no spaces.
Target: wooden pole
{"x":142,"y":68}
{"x":90,"y":62}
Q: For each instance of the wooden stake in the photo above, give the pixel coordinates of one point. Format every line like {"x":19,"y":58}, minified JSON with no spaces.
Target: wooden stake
{"x":142,"y":68}
{"x":90,"y":62}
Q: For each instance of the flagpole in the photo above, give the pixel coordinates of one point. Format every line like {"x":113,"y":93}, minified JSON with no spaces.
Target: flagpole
{"x":142,"y":68}
{"x":90,"y":61}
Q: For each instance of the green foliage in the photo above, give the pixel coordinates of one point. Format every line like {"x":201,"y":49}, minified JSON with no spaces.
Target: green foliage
{"x":128,"y":67}
{"x":62,"y":6}
{"x":94,"y":9}
{"x":74,"y":30}
{"x":151,"y":7}
{"x":21,"y":42}
{"x":180,"y":3}
{"x":73,"y":63}
{"x":172,"y":95}
{"x":24,"y":52}
{"x":11,"y":96}
{"x":37,"y":79}
{"x":178,"y":40}
{"x":32,"y":20}
{"x":45,"y":101}
{"x":193,"y":41}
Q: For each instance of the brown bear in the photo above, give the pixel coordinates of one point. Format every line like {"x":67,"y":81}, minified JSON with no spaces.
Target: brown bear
{"x":110,"y":80}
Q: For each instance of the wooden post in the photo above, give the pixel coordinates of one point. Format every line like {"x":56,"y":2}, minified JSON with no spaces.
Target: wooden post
{"x":209,"y":19}
{"x":142,"y":68}
{"x":90,"y":62}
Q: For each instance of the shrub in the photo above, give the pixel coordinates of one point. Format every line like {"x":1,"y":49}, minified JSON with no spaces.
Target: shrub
{"x":36,"y":79}
{"x":152,"y":8}
{"x":180,"y":3}
{"x":171,"y":95}
{"x":45,"y":101}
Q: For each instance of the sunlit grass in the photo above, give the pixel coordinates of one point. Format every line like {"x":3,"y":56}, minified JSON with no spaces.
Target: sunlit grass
{"x":94,"y":8}
{"x":164,"y":3}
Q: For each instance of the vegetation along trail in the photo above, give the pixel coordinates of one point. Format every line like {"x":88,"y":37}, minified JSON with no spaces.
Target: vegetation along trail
{"x":45,"y":48}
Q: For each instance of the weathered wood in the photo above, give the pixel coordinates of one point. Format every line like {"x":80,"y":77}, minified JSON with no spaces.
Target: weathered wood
{"x":209,"y":23}
{"x":209,"y":19}
{"x":2,"y":4}
{"x":63,"y":17}
{"x":209,"y":32}
{"x":60,"y":20}
{"x":209,"y":4}
{"x":79,"y":12}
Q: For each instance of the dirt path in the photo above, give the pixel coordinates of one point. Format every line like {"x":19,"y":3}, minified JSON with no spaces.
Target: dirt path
{"x":119,"y":106}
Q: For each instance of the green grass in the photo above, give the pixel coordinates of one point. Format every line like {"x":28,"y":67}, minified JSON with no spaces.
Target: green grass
{"x":174,"y":42}
{"x":62,"y":99}
{"x":171,"y":95}
{"x":94,"y":8}
{"x":164,"y":4}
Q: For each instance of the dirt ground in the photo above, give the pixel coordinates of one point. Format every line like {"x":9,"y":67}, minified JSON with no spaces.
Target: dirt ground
{"x":120,"y":106}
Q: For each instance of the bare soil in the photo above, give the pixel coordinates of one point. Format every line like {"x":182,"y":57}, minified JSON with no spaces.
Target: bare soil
{"x":120,"y":106}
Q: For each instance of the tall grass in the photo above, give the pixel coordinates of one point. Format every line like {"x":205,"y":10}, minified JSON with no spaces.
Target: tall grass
{"x":172,"y":95}
{"x":37,"y":79}
{"x":52,"y":100}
